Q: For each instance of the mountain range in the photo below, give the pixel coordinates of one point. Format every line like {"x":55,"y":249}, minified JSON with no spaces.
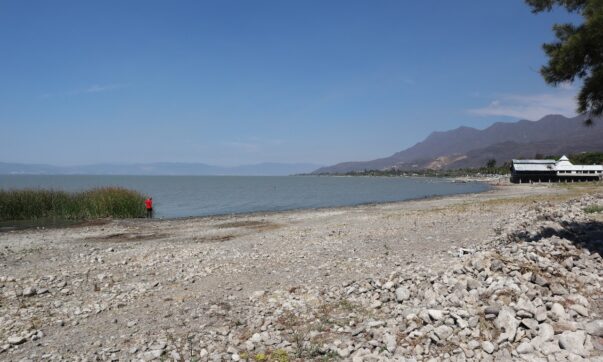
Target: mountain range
{"x":466,"y":147}
{"x":463,"y":147}
{"x":160,"y":168}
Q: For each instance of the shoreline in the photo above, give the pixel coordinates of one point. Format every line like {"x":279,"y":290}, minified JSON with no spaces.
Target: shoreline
{"x":65,"y":223}
{"x":495,"y":190}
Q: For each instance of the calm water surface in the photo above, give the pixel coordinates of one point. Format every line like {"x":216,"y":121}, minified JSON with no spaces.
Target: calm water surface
{"x":179,"y":196}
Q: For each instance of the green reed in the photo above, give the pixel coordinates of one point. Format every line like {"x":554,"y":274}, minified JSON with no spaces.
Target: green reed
{"x":31,"y":204}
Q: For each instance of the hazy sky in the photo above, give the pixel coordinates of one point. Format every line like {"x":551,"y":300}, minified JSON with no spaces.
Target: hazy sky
{"x":234,"y":82}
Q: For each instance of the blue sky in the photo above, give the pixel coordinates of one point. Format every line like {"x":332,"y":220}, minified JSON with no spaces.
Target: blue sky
{"x":235,"y":82}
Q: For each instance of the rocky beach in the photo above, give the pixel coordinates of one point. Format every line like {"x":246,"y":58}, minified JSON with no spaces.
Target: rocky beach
{"x":514,"y":273}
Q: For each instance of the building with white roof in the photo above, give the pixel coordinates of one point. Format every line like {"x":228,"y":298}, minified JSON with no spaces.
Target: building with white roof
{"x":553,"y":171}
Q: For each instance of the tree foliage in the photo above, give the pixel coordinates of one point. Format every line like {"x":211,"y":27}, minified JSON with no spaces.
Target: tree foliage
{"x":578,"y":52}
{"x":587,"y":158}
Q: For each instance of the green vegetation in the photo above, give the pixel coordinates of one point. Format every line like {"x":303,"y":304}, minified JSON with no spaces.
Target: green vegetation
{"x":584,"y":158}
{"x":577,"y":53}
{"x":593,"y":209}
{"x":490,"y":168}
{"x":32,"y":204}
{"x":587,"y":158}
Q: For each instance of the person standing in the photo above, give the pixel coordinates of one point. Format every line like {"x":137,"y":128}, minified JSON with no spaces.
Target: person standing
{"x":149,"y":204}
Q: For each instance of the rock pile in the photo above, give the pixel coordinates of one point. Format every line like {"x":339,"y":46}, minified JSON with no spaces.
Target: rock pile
{"x":535,"y":293}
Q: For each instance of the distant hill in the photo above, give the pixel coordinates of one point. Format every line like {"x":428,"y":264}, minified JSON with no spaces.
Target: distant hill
{"x":469,"y":147}
{"x":160,"y":168}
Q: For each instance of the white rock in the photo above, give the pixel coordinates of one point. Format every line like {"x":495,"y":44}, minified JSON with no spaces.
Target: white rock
{"x":343,"y":352}
{"x":473,"y":344}
{"x":540,"y":317}
{"x":580,"y":309}
{"x":435,"y":314}
{"x":524,"y":348}
{"x":390,"y":342}
{"x":549,"y":348}
{"x":530,"y":323}
{"x":152,"y":355}
{"x":16,"y":340}
{"x":545,"y":334}
{"x":573,"y":342}
{"x":443,"y":332}
{"x":473,"y":284}
{"x":506,"y":324}
{"x":595,"y":328}
{"x":402,"y":294}
{"x":258,"y":294}
{"x":558,"y":311}
{"x":488,"y":347}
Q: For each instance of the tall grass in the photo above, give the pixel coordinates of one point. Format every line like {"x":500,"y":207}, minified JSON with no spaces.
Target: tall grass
{"x":31,"y":204}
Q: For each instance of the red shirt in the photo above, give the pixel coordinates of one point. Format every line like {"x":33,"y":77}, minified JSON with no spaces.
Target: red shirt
{"x":149,"y":203}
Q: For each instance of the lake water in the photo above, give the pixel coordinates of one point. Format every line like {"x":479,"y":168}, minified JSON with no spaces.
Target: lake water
{"x":179,"y":196}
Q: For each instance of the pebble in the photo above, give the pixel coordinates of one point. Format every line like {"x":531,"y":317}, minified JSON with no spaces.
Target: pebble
{"x":580,"y":309}
{"x":443,"y":332}
{"x":525,"y":348}
{"x":402,"y":294}
{"x":29,"y":291}
{"x":488,"y":347}
{"x":435,"y":314}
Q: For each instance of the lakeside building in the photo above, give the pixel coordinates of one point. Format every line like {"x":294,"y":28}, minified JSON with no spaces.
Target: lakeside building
{"x":553,"y":171}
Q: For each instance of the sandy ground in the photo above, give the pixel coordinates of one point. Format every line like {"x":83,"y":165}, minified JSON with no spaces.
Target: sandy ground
{"x":125,"y":281}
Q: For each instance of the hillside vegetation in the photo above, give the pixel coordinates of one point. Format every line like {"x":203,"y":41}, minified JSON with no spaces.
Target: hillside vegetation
{"x":490,"y":167}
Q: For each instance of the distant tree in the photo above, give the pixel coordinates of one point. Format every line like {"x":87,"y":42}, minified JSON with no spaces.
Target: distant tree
{"x":587,"y":158}
{"x":491,"y":163}
{"x":538,"y":156}
{"x":578,"y":53}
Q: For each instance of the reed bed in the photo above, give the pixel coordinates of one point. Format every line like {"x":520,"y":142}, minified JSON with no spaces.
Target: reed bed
{"x":32,"y":204}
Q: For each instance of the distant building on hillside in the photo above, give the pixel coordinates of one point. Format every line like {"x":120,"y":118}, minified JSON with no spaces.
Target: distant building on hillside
{"x":553,"y":171}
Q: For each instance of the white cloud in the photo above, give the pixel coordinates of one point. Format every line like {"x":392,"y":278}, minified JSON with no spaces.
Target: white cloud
{"x":531,"y":106}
